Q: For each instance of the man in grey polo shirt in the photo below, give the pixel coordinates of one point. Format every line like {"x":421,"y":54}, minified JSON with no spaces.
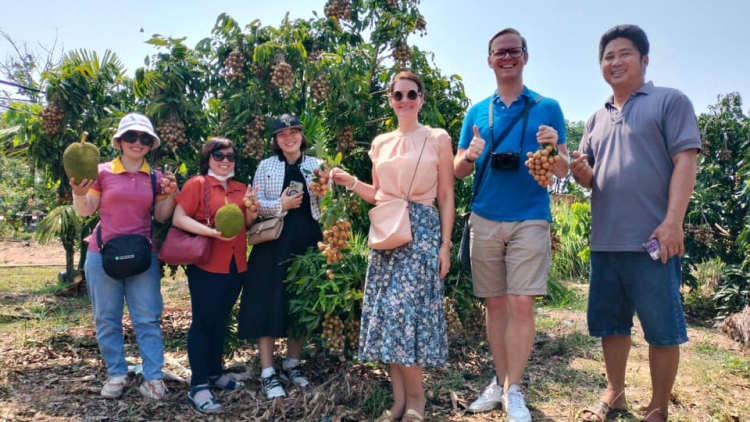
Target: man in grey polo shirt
{"x":638,"y":157}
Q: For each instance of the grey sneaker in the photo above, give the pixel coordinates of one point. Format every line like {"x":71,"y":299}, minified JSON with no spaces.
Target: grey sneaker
{"x":154,"y":389}
{"x":490,"y":398}
{"x":272,"y":387}
{"x":113,"y":387}
{"x":294,"y":375}
{"x":515,"y":406}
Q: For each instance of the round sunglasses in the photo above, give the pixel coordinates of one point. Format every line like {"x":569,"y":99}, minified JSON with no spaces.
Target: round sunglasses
{"x":398,"y":95}
{"x":220,"y":156}
{"x":130,"y":138}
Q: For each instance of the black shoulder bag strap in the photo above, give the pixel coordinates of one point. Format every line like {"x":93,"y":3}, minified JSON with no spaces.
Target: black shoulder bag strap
{"x":153,"y":205}
{"x":496,"y":142}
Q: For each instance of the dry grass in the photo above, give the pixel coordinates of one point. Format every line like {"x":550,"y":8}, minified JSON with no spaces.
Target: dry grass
{"x":50,"y":370}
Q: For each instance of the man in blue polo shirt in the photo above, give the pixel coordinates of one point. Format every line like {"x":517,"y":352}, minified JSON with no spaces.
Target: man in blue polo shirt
{"x":638,"y":157}
{"x":510,"y":238}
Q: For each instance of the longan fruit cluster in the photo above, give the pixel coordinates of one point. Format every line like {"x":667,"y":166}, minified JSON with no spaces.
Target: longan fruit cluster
{"x":392,"y":4}
{"x":319,"y":185}
{"x":249,"y":203}
{"x":233,"y":65}
{"x":339,"y":9}
{"x":725,"y":155}
{"x":336,"y":239}
{"x":475,"y":319}
{"x":453,"y":322}
{"x":333,"y":333}
{"x":254,"y":144}
{"x":352,"y":333}
{"x":540,"y":164}
{"x":420,"y":24}
{"x":401,"y":52}
{"x":345,"y":139}
{"x":52,"y":118}
{"x":283,"y":77}
{"x":352,"y":204}
{"x":320,"y":89}
{"x":172,"y":132}
{"x":701,"y":234}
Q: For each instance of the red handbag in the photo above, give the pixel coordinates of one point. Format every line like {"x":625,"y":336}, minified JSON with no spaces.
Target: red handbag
{"x":183,"y":248}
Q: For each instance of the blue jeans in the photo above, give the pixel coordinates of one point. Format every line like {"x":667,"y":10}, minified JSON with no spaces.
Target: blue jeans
{"x":624,"y":283}
{"x":143,"y":295}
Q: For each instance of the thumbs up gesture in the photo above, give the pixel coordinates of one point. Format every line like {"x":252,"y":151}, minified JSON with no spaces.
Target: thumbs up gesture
{"x":476,"y":146}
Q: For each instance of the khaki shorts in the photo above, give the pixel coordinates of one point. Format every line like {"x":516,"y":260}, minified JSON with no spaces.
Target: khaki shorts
{"x":509,"y":258}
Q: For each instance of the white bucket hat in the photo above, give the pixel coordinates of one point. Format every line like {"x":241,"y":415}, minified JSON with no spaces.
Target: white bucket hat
{"x":137,"y":122}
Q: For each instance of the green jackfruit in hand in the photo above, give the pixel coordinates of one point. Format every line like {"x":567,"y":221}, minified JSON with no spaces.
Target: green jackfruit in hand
{"x":81,"y":160}
{"x":229,"y":220}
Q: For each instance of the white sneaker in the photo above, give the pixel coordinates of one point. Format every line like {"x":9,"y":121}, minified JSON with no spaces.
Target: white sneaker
{"x":490,"y":398}
{"x":294,"y":375}
{"x":515,"y":406}
{"x":113,"y":387}
{"x":271,"y":387}
{"x":154,"y":389}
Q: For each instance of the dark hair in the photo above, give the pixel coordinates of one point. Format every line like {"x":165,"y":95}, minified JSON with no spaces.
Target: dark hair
{"x":409,"y":76}
{"x":214,"y":144}
{"x":277,"y":150}
{"x":634,"y":33}
{"x":503,"y":32}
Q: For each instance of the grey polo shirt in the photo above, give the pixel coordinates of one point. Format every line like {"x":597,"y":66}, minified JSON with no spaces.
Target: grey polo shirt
{"x":631,"y":153}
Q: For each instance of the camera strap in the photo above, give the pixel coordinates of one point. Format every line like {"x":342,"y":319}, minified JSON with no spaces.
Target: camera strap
{"x":528,"y":105}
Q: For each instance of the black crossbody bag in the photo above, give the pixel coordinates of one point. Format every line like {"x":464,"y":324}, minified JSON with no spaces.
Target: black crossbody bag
{"x":129,"y":254}
{"x":464,"y":256}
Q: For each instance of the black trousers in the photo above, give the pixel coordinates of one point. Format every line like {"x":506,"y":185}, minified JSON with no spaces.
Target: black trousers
{"x":212,"y":297}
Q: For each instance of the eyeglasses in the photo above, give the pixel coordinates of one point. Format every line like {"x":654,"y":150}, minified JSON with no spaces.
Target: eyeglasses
{"x":130,"y":137}
{"x":514,"y":53}
{"x":220,"y":156}
{"x":412,"y":95}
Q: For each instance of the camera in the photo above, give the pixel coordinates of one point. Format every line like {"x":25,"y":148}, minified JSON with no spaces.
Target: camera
{"x":505,"y":160}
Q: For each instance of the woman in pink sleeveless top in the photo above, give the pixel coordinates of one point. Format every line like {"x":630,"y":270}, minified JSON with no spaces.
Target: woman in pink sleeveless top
{"x":403,"y":321}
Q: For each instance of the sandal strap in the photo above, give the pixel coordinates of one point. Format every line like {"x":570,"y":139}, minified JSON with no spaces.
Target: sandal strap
{"x":210,"y":405}
{"x":411,"y":415}
{"x":601,"y":410}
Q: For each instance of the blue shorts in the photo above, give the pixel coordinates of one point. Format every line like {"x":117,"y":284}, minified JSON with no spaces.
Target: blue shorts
{"x":624,"y":283}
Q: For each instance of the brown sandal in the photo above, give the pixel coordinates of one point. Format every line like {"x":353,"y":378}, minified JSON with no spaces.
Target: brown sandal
{"x":602,"y":411}
{"x":655,"y":412}
{"x":411,"y":415}
{"x":386,"y":416}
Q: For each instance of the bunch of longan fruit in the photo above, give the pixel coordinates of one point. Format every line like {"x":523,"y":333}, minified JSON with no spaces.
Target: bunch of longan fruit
{"x":333,"y":333}
{"x":336,"y":238}
{"x":352,"y":333}
{"x":540,"y":164}
{"x":319,"y":185}
{"x":452,"y":321}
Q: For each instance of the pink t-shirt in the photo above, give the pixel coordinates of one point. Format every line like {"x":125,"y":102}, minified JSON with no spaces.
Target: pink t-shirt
{"x":394,"y":157}
{"x":125,"y":201}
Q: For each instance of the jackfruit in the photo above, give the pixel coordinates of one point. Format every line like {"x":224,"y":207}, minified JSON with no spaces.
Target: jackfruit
{"x":81,"y":160}
{"x":229,"y":220}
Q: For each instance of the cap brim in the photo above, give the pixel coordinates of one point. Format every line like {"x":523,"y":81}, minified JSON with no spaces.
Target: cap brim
{"x":287,"y":127}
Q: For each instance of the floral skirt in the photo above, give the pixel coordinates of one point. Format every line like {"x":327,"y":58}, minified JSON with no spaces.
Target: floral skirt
{"x":403,"y":320}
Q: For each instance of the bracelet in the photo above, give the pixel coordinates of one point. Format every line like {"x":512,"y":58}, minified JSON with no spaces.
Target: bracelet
{"x":447,"y":242}
{"x":466,"y":158}
{"x":354,"y":185}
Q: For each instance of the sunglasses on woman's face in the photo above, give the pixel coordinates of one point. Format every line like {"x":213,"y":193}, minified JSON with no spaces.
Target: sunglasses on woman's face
{"x":220,"y":156}
{"x":412,"y":95}
{"x":130,"y":137}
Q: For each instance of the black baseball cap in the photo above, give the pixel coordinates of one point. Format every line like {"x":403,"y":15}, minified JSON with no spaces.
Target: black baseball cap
{"x":285,"y":121}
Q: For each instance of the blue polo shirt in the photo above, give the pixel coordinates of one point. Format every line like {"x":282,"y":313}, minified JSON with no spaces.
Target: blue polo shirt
{"x":511,"y":195}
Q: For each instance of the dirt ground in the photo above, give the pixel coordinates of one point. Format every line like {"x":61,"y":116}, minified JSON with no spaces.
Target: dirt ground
{"x":51,"y":369}
{"x":14,"y":252}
